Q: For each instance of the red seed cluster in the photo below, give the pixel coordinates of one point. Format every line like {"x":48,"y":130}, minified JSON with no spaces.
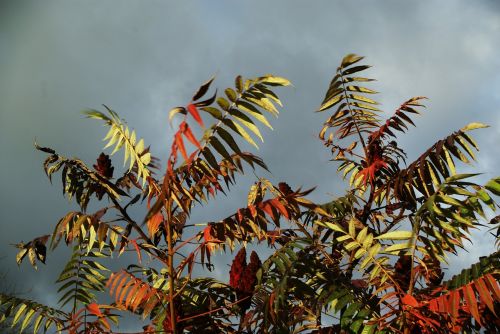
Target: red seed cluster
{"x":249,"y":279}
{"x":237,"y":268}
{"x":402,"y":269}
{"x":104,"y":167}
{"x":243,"y":277}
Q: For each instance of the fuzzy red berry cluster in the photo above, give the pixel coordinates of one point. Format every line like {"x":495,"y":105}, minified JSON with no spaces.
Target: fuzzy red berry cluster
{"x":105,"y":169}
{"x":402,"y":269}
{"x":243,"y":277}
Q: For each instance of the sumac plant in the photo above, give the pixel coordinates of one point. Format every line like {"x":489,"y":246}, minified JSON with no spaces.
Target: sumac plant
{"x":370,"y":261}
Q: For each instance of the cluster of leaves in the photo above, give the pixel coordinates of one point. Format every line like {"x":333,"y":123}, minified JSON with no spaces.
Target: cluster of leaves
{"x":371,"y":260}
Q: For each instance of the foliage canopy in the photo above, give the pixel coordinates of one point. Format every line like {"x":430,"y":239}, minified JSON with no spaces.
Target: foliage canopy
{"x":370,"y":259}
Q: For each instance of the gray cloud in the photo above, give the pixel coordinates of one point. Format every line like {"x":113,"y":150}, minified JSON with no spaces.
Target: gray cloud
{"x":142,"y":58}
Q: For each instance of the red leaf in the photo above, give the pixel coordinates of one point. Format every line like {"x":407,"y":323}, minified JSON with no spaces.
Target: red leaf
{"x":433,"y":306}
{"x":281,"y":208}
{"x":136,"y":246}
{"x":368,"y":173}
{"x":441,"y":303}
{"x":180,"y":145}
{"x":454,"y":303}
{"x":267,"y":208}
{"x":272,"y":236}
{"x":240,"y":215}
{"x":94,"y":309}
{"x":207,"y":235}
{"x":194,"y":112}
{"x":470,"y":297}
{"x":410,"y":300}
{"x":189,"y":135}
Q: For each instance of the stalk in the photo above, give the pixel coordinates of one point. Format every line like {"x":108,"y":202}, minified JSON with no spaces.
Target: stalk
{"x":171,"y":292}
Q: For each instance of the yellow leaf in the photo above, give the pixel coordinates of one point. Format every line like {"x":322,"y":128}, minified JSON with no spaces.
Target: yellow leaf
{"x":473,"y":126}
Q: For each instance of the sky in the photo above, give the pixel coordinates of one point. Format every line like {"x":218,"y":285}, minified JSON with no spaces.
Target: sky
{"x":142,"y":58}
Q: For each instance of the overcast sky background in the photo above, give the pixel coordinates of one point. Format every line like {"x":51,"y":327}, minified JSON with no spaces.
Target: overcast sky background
{"x":144,"y":57}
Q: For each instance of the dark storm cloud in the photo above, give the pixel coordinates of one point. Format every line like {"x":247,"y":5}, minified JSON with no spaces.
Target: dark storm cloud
{"x":142,"y":58}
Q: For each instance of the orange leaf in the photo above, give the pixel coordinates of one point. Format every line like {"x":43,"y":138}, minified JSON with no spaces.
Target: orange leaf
{"x":131,"y":293}
{"x":154,"y":223}
{"x":281,"y":208}
{"x":207,"y":235}
{"x":119,"y":288}
{"x":253,"y":211}
{"x":136,"y":246}
{"x":124,"y":291}
{"x":493,"y":285}
{"x":484,"y":294}
{"x":180,"y":145}
{"x":194,"y":112}
{"x":267,"y":208}
{"x":118,"y":280}
{"x":410,"y":300}
{"x":470,"y":296}
{"x":454,"y":303}
{"x":139,"y":297}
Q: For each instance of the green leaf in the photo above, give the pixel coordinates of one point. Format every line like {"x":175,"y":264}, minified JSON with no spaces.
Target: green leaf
{"x":20,"y":255}
{"x":262,"y":102}
{"x":355,"y":69}
{"x":274,"y":80}
{"x":203,"y":89}
{"x":493,"y":186}
{"x":350,"y":59}
{"x":19,"y":313}
{"x":220,"y":148}
{"x":331,"y":226}
{"x":91,"y":238}
{"x":239,"y":130}
{"x":37,"y":323}
{"x":248,"y":107}
{"x":397,"y":247}
{"x":242,"y":118}
{"x":27,"y":319}
{"x":331,"y":102}
{"x":228,"y":139}
{"x":396,"y":235}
